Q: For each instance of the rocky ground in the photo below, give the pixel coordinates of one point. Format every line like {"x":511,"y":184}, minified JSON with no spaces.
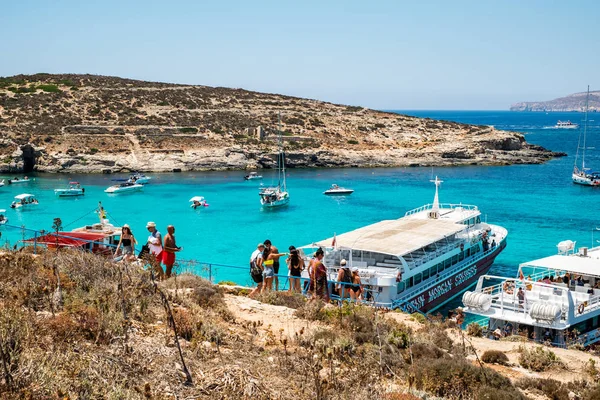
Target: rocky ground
{"x":86,"y":123}
{"x":78,"y":326}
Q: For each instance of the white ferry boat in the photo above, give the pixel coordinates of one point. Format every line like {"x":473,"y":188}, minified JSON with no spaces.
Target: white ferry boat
{"x":555,"y":299}
{"x":420,"y":261}
{"x":566,"y":125}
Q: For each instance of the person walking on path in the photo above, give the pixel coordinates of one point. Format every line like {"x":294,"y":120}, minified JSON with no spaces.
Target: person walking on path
{"x":295,"y":268}
{"x":169,"y":250}
{"x":155,"y":247}
{"x":274,"y":250}
{"x":256,"y":269}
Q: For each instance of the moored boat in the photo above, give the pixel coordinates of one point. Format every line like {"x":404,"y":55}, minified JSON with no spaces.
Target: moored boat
{"x":16,"y":180}
{"x":420,"y":261}
{"x":125,"y":187}
{"x":139,"y":178}
{"x":336,"y":190}
{"x":252,"y":176}
{"x":583,"y":175}
{"x":276,"y":196}
{"x":23,"y":200}
{"x":555,"y":299}
{"x":198,"y":201}
{"x":73,"y":190}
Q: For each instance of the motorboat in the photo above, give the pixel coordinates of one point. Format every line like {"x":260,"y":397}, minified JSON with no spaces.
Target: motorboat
{"x":22,"y":200}
{"x":252,"y":176}
{"x":16,"y":180}
{"x":3,"y":218}
{"x":553,"y":300}
{"x":566,"y":125}
{"x":2,"y":183}
{"x":419,"y":262}
{"x":125,"y":187}
{"x":581,"y":174}
{"x":139,"y":178}
{"x":336,"y":190}
{"x":276,"y":196}
{"x":100,"y":237}
{"x":73,"y":190}
{"x":198,"y":201}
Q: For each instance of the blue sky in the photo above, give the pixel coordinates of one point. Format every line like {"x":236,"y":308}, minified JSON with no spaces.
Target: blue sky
{"x":380,"y":54}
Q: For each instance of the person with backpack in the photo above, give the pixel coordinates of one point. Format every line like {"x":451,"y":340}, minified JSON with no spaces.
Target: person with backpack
{"x":256,"y":271}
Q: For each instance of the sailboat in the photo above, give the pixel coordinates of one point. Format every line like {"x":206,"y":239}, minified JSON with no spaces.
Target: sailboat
{"x":583,"y":175}
{"x":276,"y":196}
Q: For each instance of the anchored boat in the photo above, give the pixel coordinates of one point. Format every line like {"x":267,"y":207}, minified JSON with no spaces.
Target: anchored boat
{"x":584,"y":176}
{"x":124,"y":187}
{"x":566,"y":125}
{"x":23,"y":200}
{"x":420,"y":261}
{"x":276,"y":196}
{"x":555,"y":299}
{"x":3,"y":218}
{"x":198,"y":201}
{"x":19,"y":180}
{"x":336,"y":190}
{"x":252,"y":176}
{"x":73,"y":190}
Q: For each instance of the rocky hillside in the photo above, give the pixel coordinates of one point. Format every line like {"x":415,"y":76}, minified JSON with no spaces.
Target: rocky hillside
{"x":572,"y":102}
{"x":86,"y":123}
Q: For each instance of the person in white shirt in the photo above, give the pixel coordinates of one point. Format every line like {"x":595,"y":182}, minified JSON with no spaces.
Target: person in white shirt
{"x":155,"y":246}
{"x":256,"y":269}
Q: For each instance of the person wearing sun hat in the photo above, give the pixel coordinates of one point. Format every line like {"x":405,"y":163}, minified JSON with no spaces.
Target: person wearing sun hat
{"x":128,"y":242}
{"x":155,"y":245}
{"x":344,"y":279}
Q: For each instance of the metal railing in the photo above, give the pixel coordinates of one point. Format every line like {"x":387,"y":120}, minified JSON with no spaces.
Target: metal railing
{"x":442,"y":206}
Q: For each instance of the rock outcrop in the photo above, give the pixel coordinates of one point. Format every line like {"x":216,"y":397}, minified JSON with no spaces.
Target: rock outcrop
{"x":86,"y":123}
{"x":572,"y":102}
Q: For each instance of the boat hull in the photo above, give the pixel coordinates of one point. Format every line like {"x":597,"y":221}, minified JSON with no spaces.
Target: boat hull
{"x":68,"y":193}
{"x":585,"y":181}
{"x":430,"y":299}
{"x":130,"y":189}
{"x":338,"y":193}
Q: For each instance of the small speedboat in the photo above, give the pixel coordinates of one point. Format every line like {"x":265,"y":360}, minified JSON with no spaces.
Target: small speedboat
{"x":198,"y":201}
{"x":252,"y":176}
{"x":18,"y":180}
{"x":336,"y":190}
{"x":73,"y":190}
{"x":3,"y":218}
{"x":22,"y":200}
{"x":124,"y":187}
{"x":139,"y":178}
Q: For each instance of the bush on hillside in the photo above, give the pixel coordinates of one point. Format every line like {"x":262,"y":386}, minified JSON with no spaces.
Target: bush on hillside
{"x":474,"y":329}
{"x":494,"y":357}
{"x":538,"y":359}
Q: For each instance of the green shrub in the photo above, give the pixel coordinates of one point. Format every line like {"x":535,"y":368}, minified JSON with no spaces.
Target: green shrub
{"x":538,"y":359}
{"x":494,"y":357}
{"x":286,"y":299}
{"x":353,"y":108}
{"x":227,"y":283}
{"x":474,"y":329}
{"x":420,"y":318}
{"x":352,"y":141}
{"x":94,"y":150}
{"x":188,"y":130}
{"x":49,"y":88}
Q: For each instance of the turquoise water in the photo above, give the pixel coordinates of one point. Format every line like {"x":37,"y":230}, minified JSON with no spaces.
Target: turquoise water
{"x":538,"y":204}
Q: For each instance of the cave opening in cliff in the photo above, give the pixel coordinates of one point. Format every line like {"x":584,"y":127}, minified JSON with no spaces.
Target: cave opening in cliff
{"x":28,"y":158}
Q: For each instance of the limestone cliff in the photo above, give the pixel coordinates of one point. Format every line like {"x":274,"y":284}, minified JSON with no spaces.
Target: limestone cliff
{"x":86,"y":123}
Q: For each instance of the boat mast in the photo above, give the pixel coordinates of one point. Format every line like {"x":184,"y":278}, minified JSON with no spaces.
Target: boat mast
{"x":587,"y":99}
{"x":281,"y":160}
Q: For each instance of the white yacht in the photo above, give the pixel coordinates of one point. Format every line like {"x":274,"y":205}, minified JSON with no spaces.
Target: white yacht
{"x":420,"y":261}
{"x":582,"y":175}
{"x":73,"y":190}
{"x":566,"y":125}
{"x":252,"y":176}
{"x":125,"y":187}
{"x":336,"y":190}
{"x":554,"y":299}
{"x":276,"y":196}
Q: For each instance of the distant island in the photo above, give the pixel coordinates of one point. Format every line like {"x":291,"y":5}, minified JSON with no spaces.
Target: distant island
{"x":90,"y":123}
{"x":572,"y":102}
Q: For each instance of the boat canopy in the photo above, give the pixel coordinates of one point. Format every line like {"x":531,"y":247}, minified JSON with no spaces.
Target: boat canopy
{"x":196,"y":198}
{"x":23,"y":196}
{"x":588,"y":266}
{"x":67,"y":239}
{"x":396,"y":237}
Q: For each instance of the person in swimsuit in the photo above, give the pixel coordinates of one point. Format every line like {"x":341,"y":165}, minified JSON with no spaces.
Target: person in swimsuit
{"x":128,"y":242}
{"x":344,"y":279}
{"x":268,"y":264}
{"x":274,"y":250}
{"x":356,"y":287}
{"x":169,"y":250}
{"x":318,"y":274}
{"x":295,"y":266}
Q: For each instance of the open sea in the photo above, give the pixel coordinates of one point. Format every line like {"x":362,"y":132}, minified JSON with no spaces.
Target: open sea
{"x":538,"y":204}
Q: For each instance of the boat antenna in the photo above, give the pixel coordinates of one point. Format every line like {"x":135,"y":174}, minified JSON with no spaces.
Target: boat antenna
{"x":435,"y":208}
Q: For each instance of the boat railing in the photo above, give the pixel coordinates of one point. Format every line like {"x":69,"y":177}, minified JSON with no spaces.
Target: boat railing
{"x":442,"y":206}
{"x":430,"y":283}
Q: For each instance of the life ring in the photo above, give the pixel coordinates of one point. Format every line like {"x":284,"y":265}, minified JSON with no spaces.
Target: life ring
{"x":581,"y":308}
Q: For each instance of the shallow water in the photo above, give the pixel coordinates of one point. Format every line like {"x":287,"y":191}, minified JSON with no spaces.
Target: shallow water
{"x":538,"y":204}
